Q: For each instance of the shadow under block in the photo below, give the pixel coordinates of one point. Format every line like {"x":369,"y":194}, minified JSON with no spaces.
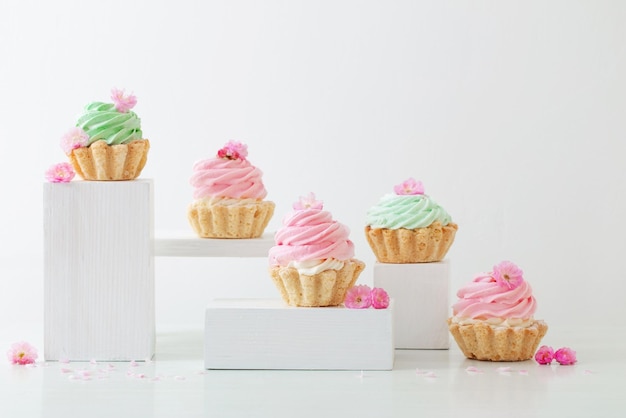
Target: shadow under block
{"x":99,"y":270}
{"x":270,"y":335}
{"x":420,"y":293}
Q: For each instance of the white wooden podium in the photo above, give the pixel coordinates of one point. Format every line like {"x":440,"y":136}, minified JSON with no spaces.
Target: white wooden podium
{"x":420,"y":292}
{"x":99,"y":270}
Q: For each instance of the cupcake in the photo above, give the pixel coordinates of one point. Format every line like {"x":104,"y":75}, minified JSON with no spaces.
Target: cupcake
{"x":107,"y":143}
{"x":493,"y":318}
{"x":228,"y":196}
{"x":409,"y":227}
{"x":312,"y":262}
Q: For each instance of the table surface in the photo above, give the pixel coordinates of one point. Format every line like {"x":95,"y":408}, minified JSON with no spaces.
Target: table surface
{"x":426,"y":383}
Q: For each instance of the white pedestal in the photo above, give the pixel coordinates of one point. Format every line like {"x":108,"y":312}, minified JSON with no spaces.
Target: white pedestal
{"x":187,"y":244}
{"x":420,"y":292}
{"x":99,"y":271}
{"x":268,"y":334}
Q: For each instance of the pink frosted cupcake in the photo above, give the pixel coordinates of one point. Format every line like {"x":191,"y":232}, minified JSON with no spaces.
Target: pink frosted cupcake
{"x":228,"y":196}
{"x":493,"y":318}
{"x":312,"y":262}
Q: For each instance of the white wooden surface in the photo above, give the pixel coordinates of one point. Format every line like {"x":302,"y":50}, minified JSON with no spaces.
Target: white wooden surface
{"x":99,"y":270}
{"x":420,"y":292}
{"x":187,"y":244}
{"x":268,"y":334}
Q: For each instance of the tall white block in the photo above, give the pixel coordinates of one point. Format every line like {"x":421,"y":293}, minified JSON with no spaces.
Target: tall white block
{"x":99,"y":270}
{"x":268,"y":334}
{"x":420,"y":293}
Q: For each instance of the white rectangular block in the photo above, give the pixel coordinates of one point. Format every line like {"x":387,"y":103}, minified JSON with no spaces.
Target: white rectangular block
{"x":269,"y":334}
{"x":99,"y":270}
{"x":188,"y":244}
{"x":420,"y":293}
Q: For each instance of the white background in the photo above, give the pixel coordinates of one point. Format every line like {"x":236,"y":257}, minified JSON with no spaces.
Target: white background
{"x":511,"y":113}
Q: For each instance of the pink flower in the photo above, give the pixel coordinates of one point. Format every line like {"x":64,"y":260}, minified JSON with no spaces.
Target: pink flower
{"x":74,"y":138}
{"x":358,"y":297}
{"x":565,"y":356}
{"x":233,"y":150}
{"x":22,"y":353}
{"x":308,"y":202}
{"x":508,"y":275}
{"x":544,"y":355}
{"x":123,"y":103}
{"x":60,"y":173}
{"x":380,"y":298}
{"x":409,"y":187}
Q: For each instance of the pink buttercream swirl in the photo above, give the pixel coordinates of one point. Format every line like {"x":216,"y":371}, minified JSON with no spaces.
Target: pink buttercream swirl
{"x":222,"y":177}
{"x":484,"y":298}
{"x":310,"y":234}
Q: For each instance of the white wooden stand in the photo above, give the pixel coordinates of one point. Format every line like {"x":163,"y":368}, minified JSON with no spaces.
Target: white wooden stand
{"x":99,"y":271}
{"x":268,"y":334}
{"x":420,"y":292}
{"x":187,"y":244}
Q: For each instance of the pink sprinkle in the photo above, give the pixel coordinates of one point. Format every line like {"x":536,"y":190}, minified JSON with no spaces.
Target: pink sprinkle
{"x":523,"y":372}
{"x":133,"y":363}
{"x":140,"y":376}
{"x":430,"y":374}
{"x":472,"y":369}
{"x":505,"y":369}
{"x":93,"y":361}
{"x":65,"y":370}
{"x":111,"y":366}
{"x":156,"y":379}
{"x":64,"y":360}
{"x":587,"y":372}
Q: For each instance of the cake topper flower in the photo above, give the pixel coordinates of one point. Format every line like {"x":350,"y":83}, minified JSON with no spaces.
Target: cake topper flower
{"x":358,"y":297}
{"x":22,"y":353}
{"x":409,"y":187}
{"x":544,"y":355}
{"x":123,"y":103}
{"x":308,"y":202}
{"x":565,"y":356}
{"x":380,"y":298}
{"x":508,"y":275}
{"x":74,"y":138}
{"x":60,"y":173}
{"x":233,"y":150}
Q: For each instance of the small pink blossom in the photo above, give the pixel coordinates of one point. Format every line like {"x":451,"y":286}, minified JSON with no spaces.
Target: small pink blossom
{"x":233,"y":150}
{"x":60,"y":173}
{"x":380,"y":298}
{"x":74,"y":138}
{"x":123,"y":103}
{"x":409,"y":187}
{"x":544,"y":355}
{"x":358,"y":297}
{"x":308,"y":202}
{"x":508,"y":275}
{"x":22,"y":353}
{"x":565,"y":356}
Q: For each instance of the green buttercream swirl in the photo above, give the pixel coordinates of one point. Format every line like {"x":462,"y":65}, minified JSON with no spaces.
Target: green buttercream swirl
{"x":103,"y":121}
{"x":406,"y":211}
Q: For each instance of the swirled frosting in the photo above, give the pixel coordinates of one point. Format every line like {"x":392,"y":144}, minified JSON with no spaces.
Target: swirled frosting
{"x":102,"y":121}
{"x":308,"y":235}
{"x":223,"y":177}
{"x":406,"y":211}
{"x":485,"y":299}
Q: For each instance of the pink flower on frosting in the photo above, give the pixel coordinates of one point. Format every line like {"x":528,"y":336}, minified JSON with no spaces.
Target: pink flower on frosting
{"x":409,"y":187}
{"x":358,"y":297}
{"x":544,"y":355}
{"x":508,"y":275}
{"x":123,"y":103}
{"x":380,"y":298}
{"x":74,"y":138}
{"x":233,"y":150}
{"x":60,"y":173}
{"x":308,"y":202}
{"x":22,"y":353}
{"x":565,"y":356}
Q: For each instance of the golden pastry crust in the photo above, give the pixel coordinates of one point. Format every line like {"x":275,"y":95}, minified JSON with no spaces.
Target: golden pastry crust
{"x":101,"y":161}
{"x":420,"y":245}
{"x":482,"y":341}
{"x":327,"y":288}
{"x":229,"y":221}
